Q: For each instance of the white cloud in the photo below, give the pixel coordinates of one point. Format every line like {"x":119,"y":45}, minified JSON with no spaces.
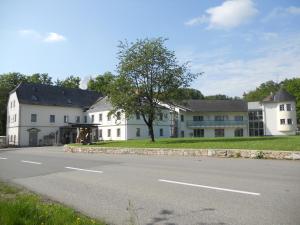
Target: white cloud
{"x":54,"y":37}
{"x":278,"y":60}
{"x":229,"y":14}
{"x":35,"y":35}
{"x":29,"y":33}
{"x":196,"y":21}
{"x":293,"y":10}
{"x":281,"y":12}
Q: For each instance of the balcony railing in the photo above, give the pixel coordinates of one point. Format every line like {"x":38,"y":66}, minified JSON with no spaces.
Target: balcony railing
{"x":214,"y":123}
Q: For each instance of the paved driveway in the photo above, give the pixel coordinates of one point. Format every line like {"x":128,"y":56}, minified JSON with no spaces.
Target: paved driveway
{"x":161,"y":190}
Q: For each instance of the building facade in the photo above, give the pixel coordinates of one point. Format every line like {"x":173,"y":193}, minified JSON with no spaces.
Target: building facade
{"x":275,"y":115}
{"x":48,"y":115}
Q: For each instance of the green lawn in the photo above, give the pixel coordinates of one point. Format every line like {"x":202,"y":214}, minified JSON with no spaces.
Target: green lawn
{"x":290,"y":143}
{"x":19,"y":207}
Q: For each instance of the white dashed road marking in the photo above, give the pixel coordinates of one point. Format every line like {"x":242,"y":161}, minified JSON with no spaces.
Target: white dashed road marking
{"x":31,"y":162}
{"x":93,"y":171}
{"x":209,"y":187}
{"x":2,"y":158}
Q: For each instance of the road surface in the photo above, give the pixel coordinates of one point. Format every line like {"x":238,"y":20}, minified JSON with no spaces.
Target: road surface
{"x":161,"y":190}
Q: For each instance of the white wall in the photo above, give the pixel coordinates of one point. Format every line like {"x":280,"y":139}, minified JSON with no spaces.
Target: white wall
{"x":210,"y":131}
{"x":13,"y":120}
{"x":128,"y":127}
{"x":43,"y":120}
{"x":272,"y":116}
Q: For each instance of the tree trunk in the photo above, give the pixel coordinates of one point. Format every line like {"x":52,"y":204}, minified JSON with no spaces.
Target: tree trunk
{"x":151,"y":131}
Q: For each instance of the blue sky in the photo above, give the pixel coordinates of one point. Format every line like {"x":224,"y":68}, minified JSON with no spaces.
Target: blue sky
{"x":238,"y":44}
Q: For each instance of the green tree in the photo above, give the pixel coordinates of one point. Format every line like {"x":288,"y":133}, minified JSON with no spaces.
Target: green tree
{"x":220,"y":97}
{"x":39,"y":78}
{"x":8,"y":81}
{"x":188,"y":93}
{"x":101,"y":83}
{"x":293,"y":87}
{"x":148,"y":73}
{"x":69,"y":82}
{"x":262,"y":91}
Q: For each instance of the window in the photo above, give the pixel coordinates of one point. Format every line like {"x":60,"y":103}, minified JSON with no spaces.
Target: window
{"x":100,"y":117}
{"x":138,"y":132}
{"x":182,"y":133}
{"x":93,"y":118}
{"x":10,"y":104}
{"x":100,"y":133}
{"x":238,"y":118}
{"x":85,"y":119}
{"x":197,"y":118}
{"x":14,"y":103}
{"x":15,"y":118}
{"x":282,"y":121}
{"x":108,"y":132}
{"x":8,"y":120}
{"x":161,"y":132}
{"x":288,"y":107}
{"x":77,"y":119}
{"x":289,"y":121}
{"x":219,"y":133}
{"x":138,"y":116}
{"x":52,"y":118}
{"x":239,"y":132}
{"x":66,"y":119}
{"x":118,"y":132}
{"x":108,"y":117}
{"x":33,"y":117}
{"x":281,"y":107}
{"x":198,"y":132}
{"x":161,"y":116}
{"x":14,"y":139}
{"x":166,"y":115}
{"x":219,"y":118}
{"x":118,"y":115}
{"x":182,"y":118}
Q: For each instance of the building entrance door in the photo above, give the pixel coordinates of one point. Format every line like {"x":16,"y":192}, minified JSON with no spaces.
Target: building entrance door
{"x":33,"y":138}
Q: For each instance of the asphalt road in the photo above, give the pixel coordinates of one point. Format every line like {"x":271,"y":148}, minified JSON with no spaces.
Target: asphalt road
{"x":161,"y":190}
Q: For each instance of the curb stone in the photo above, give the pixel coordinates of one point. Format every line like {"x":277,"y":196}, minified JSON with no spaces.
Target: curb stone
{"x":222,"y":153}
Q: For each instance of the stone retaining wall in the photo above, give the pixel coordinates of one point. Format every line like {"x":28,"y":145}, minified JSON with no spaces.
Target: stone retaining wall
{"x":225,"y":153}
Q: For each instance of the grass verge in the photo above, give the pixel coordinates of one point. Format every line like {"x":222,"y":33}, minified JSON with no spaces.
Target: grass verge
{"x":288,"y":143}
{"x":20,"y":207}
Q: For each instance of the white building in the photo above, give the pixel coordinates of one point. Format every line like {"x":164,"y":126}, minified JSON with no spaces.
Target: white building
{"x":275,"y":115}
{"x":49,"y":115}
{"x":38,"y":114}
{"x":117,"y":127}
{"x":212,"y":118}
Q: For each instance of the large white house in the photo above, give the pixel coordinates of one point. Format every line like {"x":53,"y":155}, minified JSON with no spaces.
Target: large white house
{"x":275,"y":115}
{"x":49,"y":115}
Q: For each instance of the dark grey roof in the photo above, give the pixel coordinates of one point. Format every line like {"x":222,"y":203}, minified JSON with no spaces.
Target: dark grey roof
{"x":101,"y":105}
{"x":279,"y":96}
{"x":41,"y":94}
{"x":215,"y":105}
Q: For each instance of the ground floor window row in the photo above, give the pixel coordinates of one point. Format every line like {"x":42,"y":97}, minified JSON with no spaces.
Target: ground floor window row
{"x":118,"y":132}
{"x":238,"y":132}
